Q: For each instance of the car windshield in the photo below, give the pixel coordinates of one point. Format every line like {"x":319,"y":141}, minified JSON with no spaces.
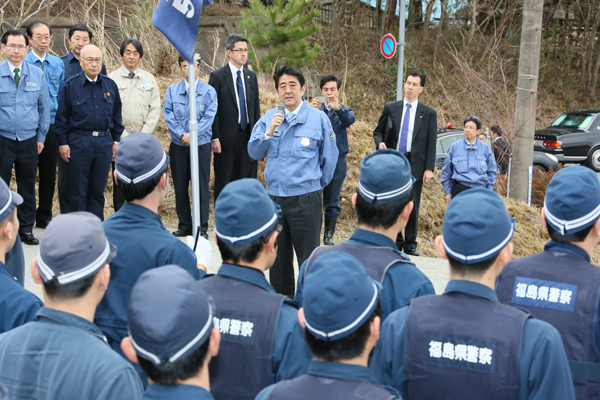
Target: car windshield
{"x":581,"y":121}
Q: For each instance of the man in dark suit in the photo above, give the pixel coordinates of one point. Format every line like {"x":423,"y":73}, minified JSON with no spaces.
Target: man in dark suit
{"x":411,"y":128}
{"x":501,"y":149}
{"x":237,"y":93}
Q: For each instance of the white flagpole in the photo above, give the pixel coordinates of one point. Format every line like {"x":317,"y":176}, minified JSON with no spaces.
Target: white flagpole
{"x":194,"y":151}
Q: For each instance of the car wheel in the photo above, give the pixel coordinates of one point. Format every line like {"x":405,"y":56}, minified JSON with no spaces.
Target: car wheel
{"x":593,"y":160}
{"x":540,"y":168}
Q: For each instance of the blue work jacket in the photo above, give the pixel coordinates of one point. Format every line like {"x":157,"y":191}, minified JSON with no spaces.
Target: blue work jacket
{"x":24,"y":111}
{"x":63,"y":356}
{"x":17,"y":304}
{"x":301,"y":157}
{"x":470,"y":165}
{"x":54,"y":70}
{"x":544,"y":372}
{"x":143,"y":244}
{"x":332,"y":370}
{"x":402,"y":282}
{"x":88,"y":106}
{"x":157,"y":391}
{"x":176,"y":111}
{"x":73,"y":66}
{"x":340,"y":120}
{"x":291,"y":355}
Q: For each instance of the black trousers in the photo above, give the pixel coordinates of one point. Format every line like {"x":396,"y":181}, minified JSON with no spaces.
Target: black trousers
{"x":24,"y":156}
{"x":301,"y":218}
{"x":47,"y":162}
{"x":117,"y":196}
{"x":63,"y":185}
{"x":409,"y":241}
{"x":234,"y":163}
{"x":181,"y":168}
{"x":458,"y":188}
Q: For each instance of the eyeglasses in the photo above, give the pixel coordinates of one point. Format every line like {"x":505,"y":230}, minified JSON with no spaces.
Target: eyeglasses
{"x":13,"y":46}
{"x":40,"y":37}
{"x":91,"y":60}
{"x":241,"y":50}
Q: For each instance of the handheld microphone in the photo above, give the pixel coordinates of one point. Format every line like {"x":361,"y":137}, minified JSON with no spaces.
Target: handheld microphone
{"x":280,"y":110}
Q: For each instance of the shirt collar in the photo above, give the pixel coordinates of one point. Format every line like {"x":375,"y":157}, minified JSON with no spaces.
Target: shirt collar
{"x":469,"y":145}
{"x":128,"y":71}
{"x":234,"y":70}
{"x":472,"y":288}
{"x":12,"y":67}
{"x":568,"y":247}
{"x":53,"y":316}
{"x":496,"y":138}
{"x":413,"y":105}
{"x":244,"y":274}
{"x":372,"y":238}
{"x":187,"y":85}
{"x":140,"y":211}
{"x":297,"y":110}
{"x":341,"y":371}
{"x":42,"y":59}
{"x":91,"y":80}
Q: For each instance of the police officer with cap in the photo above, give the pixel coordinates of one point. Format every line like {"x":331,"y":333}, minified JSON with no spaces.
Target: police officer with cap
{"x":560,"y":285}
{"x":261,"y":339}
{"x":383,"y":205}
{"x":62,"y":354}
{"x":171,"y":334}
{"x":342,"y":318}
{"x":464,"y":343}
{"x":17,"y":305}
{"x":141,"y":168}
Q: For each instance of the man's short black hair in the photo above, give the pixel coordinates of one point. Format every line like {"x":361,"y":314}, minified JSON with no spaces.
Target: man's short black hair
{"x":415,"y":74}
{"x":331,"y":78}
{"x":172,"y":373}
{"x":471,"y":270}
{"x":496,"y":129}
{"x":136,"y":43}
{"x":14,"y":32}
{"x":247,"y":252}
{"x":473,"y":118}
{"x":346,"y":348}
{"x":482,"y":134}
{"x":69,"y":291}
{"x":376,"y":215}
{"x":137,"y":191}
{"x":34,"y":25}
{"x":80,"y":27}
{"x":181,"y":59}
{"x":287,"y":70}
{"x":233,"y":39}
{"x":571,"y":237}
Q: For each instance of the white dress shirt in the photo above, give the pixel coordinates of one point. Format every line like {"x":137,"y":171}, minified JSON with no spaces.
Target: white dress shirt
{"x":234,"y":72}
{"x":411,"y":124}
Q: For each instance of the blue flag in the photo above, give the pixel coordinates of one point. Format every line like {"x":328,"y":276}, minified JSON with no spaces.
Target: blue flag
{"x":178,"y":20}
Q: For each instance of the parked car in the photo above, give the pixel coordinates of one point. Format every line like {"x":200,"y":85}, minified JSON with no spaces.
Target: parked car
{"x":573,"y":137}
{"x":543,"y":162}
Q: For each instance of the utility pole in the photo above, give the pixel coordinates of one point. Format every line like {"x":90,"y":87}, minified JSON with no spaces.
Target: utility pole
{"x":526,"y":102}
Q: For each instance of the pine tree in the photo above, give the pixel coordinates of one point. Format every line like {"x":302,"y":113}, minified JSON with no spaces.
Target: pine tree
{"x":281,"y":29}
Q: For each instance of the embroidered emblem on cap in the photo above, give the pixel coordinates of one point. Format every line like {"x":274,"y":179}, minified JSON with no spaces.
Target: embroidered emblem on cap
{"x":305,"y":141}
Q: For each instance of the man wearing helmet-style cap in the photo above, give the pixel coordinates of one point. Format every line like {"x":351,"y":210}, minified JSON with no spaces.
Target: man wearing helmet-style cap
{"x":261,"y":339}
{"x":560,"y":285}
{"x":62,"y":354}
{"x":464,"y":344}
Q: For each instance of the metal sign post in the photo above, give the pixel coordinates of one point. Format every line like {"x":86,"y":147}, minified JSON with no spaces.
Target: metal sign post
{"x":401,"y":39}
{"x":194,"y":151}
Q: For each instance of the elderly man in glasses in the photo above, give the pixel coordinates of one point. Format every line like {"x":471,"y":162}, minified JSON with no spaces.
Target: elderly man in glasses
{"x":88,"y":126}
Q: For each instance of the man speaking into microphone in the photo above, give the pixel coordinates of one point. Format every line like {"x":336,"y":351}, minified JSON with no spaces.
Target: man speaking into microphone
{"x":299,"y":144}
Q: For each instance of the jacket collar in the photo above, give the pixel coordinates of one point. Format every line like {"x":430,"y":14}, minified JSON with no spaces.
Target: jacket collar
{"x":56,"y":317}
{"x":245,"y":274}
{"x":471,"y":288}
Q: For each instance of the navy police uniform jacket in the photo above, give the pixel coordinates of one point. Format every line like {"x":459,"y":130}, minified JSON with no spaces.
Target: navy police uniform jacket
{"x":262,"y":341}
{"x":87,"y":106}
{"x":17,"y":304}
{"x":180,"y":392}
{"x":143,"y":243}
{"x":340,"y":120}
{"x":464,"y":344}
{"x":327,"y":380}
{"x":402,"y":281}
{"x":63,"y":356}
{"x":561,"y":287}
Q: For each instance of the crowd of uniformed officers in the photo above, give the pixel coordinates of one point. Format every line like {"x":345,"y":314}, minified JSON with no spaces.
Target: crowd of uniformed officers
{"x":129,"y":313}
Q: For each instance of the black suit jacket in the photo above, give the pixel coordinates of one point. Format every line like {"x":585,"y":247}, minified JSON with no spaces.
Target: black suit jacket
{"x":501,"y":153}
{"x":225,"y":125}
{"x":422,"y":153}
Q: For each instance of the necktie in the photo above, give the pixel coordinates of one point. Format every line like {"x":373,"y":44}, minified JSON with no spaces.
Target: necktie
{"x":131,"y":75}
{"x":289,"y":117}
{"x":17,"y":78}
{"x":241,"y":99}
{"x":404,"y":132}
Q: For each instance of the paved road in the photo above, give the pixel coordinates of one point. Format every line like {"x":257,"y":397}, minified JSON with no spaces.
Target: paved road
{"x":436,"y":269}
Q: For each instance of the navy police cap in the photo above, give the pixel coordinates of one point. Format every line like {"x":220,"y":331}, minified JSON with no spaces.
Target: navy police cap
{"x":73,"y":248}
{"x":169,"y":315}
{"x":476,"y":226}
{"x":244,"y":212}
{"x":572,"y":201}
{"x":140,"y":157}
{"x":8,"y":200}
{"x":385,"y":176}
{"x":339,"y":296}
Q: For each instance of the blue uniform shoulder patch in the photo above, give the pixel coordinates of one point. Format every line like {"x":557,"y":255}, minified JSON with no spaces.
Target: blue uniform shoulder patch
{"x":547,"y":294}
